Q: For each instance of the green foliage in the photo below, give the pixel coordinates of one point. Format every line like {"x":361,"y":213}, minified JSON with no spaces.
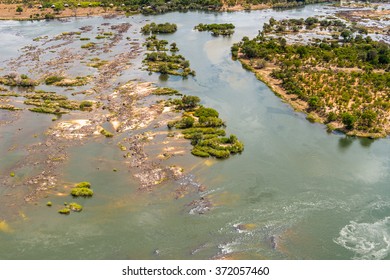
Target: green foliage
{"x":348,"y":120}
{"x":49,"y":203}
{"x":85,"y":104}
{"x":317,"y":72}
{"x":224,"y":29}
{"x":106,"y":133}
{"x":89,"y":45}
{"x":185,"y":122}
{"x":83,"y":192}
{"x":83,"y":185}
{"x":75,"y":207}
{"x":165,"y":91}
{"x":50,"y":103}
{"x":206,"y":112}
{"x":205,"y":134}
{"x":53,"y":79}
{"x":64,"y":211}
{"x":188,"y":102}
{"x":16,"y":80}
{"x":159,"y":28}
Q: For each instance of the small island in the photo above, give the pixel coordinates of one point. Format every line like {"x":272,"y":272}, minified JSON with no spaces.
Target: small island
{"x":155,"y":28}
{"x":158,"y":60}
{"x":222,"y":29}
{"x":203,"y":127}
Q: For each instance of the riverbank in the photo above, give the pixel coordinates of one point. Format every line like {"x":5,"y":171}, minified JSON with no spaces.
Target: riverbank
{"x":299,"y":105}
{"x":265,"y":75}
{"x":9,"y":12}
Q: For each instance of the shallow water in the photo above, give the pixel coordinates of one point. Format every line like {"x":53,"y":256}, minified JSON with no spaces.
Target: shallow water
{"x":319,"y":195}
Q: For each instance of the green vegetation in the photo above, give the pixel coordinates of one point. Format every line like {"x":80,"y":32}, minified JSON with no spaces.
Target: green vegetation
{"x":53,"y":80}
{"x":97,"y":63}
{"x":17,"y":80}
{"x":165,"y":91}
{"x":12,"y":174}
{"x":86,"y":105}
{"x":52,"y":103}
{"x":62,"y":81}
{"x":106,"y":133}
{"x":159,"y":28}
{"x":163,"y":63}
{"x":83,"y":185}
{"x":9,"y":107}
{"x":223,"y":29}
{"x":82,"y":189}
{"x":49,"y":203}
{"x":64,"y":211}
{"x":159,"y":61}
{"x":90,"y":45}
{"x":154,"y":44}
{"x":344,"y":79}
{"x":203,"y":127}
{"x":75,"y":207}
{"x":152,"y":7}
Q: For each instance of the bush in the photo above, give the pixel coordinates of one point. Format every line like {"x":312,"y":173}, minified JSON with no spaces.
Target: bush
{"x":86,"y":104}
{"x":106,"y":133}
{"x":185,"y":122}
{"x":53,"y":79}
{"x":64,"y":211}
{"x":206,"y":112}
{"x":83,"y":185}
{"x":84,"y":192}
{"x":75,"y":207}
{"x":348,"y":120}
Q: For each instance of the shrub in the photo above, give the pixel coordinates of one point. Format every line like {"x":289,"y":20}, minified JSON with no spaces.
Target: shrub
{"x":206,"y":112}
{"x":106,"y":133}
{"x":84,"y":192}
{"x":64,"y":211}
{"x":75,"y":207}
{"x":53,"y":79}
{"x":83,"y":185}
{"x":348,"y":120}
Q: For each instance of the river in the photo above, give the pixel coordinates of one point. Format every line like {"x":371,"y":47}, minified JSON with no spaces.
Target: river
{"x":301,"y":192}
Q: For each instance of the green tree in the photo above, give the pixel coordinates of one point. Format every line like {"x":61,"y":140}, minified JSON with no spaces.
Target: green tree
{"x":19,"y":9}
{"x":190,"y":102}
{"x":348,"y":120}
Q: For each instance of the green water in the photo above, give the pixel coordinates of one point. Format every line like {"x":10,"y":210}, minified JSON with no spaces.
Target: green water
{"x":322,"y":196}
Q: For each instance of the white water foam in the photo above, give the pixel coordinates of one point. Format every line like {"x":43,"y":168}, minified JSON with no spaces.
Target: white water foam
{"x":367,"y":241}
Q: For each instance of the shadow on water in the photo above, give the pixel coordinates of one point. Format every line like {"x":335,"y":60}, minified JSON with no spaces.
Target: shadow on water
{"x":366,"y":142}
{"x":345,"y":143}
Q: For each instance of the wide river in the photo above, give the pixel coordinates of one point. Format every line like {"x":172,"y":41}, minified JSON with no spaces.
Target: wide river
{"x":317,"y":195}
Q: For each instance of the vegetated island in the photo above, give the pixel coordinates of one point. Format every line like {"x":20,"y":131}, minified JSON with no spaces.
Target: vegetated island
{"x":223,"y":29}
{"x":204,"y":128}
{"x":341,"y":80}
{"x":35,"y":10}
{"x":155,"y":28}
{"x":158,"y":60}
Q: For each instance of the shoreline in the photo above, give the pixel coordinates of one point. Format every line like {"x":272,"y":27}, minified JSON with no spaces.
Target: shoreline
{"x":299,"y":105}
{"x":8,"y":12}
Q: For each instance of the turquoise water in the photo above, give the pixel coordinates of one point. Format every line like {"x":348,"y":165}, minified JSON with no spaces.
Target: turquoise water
{"x":319,"y":195}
